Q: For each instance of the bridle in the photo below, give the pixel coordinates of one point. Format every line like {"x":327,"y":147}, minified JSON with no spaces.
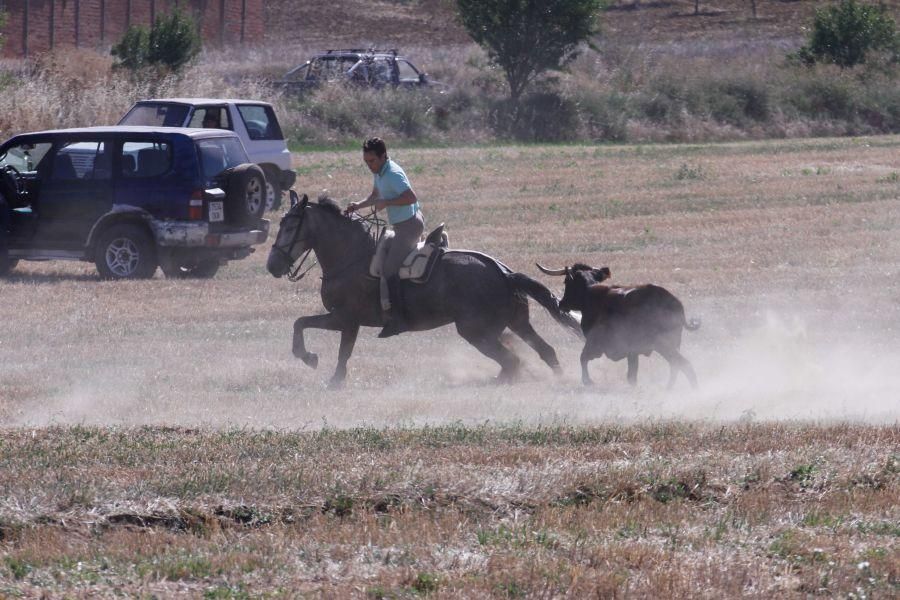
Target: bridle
{"x":370,"y":222}
{"x":294,"y":274}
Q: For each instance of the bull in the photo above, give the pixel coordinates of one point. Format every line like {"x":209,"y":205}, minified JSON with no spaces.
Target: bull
{"x":625,"y":321}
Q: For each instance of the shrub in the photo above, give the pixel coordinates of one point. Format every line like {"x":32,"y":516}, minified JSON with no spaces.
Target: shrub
{"x":172,"y":42}
{"x":844,"y":34}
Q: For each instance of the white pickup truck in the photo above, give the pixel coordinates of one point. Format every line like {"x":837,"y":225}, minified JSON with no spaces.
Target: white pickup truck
{"x":253,"y":121}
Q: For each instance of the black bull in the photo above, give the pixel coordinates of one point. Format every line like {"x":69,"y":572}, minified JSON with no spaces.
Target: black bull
{"x":625,"y":321}
{"x":477,"y":293}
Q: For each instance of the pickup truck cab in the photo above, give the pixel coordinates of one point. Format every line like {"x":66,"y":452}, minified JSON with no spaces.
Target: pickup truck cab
{"x":130,"y":199}
{"x":253,"y":121}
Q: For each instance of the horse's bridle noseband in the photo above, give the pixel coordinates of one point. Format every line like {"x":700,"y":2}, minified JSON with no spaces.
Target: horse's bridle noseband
{"x":295,"y":275}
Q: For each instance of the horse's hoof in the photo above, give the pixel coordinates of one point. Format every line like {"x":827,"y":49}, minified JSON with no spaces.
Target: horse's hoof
{"x":557,"y":370}
{"x":335,"y":384}
{"x":311,"y":359}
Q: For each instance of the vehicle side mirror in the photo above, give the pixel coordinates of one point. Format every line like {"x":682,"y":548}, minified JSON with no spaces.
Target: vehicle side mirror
{"x":423,"y":78}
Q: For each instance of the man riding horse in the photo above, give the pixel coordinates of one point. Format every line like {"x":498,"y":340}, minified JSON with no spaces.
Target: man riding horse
{"x":391,"y":190}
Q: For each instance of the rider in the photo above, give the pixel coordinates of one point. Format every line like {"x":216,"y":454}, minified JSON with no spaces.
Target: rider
{"x":392,"y":191}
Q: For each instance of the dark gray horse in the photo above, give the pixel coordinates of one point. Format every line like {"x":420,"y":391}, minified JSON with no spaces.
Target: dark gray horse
{"x":477,"y":293}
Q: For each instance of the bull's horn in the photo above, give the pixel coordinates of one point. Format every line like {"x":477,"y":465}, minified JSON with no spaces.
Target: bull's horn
{"x":551,"y":271}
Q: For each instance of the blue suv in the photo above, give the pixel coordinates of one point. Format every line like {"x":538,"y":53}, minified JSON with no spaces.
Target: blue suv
{"x":130,"y":199}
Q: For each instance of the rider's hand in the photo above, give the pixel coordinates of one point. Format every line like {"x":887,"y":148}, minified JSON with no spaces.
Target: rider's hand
{"x":351,"y":208}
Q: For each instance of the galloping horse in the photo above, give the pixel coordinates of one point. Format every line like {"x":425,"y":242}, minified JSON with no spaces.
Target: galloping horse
{"x":477,"y":293}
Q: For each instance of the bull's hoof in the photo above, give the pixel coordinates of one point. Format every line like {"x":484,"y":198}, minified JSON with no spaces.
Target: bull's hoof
{"x":311,"y":359}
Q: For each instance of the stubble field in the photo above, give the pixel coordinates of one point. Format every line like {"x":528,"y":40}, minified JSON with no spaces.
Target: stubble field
{"x":159,"y":438}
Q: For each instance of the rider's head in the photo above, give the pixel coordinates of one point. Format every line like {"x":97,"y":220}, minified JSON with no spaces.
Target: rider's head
{"x":374,"y":153}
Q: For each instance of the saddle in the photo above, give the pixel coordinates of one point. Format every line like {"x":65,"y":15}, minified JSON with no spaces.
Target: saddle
{"x":419,"y":263}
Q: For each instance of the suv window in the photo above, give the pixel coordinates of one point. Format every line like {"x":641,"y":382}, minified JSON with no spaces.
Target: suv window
{"x":156,"y":115}
{"x":81,"y":160}
{"x":25,"y":157}
{"x":146,"y":159}
{"x":260,"y":122}
{"x":211,"y":116}
{"x":218,"y":154}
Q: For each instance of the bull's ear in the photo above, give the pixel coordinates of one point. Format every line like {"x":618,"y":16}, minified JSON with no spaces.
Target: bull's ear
{"x":601,"y":274}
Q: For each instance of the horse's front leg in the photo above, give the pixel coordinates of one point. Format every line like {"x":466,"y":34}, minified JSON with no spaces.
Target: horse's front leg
{"x":327,"y":321}
{"x":348,"y":340}
{"x":331,"y":322}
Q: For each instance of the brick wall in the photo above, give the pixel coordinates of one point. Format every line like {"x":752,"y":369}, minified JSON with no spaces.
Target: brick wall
{"x":35,"y":26}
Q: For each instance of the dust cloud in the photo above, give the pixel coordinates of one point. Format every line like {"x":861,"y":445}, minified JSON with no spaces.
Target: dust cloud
{"x":776,"y":367}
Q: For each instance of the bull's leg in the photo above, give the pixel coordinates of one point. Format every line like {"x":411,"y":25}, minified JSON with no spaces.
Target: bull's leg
{"x":632,"y":369}
{"x":677,"y":362}
{"x":522,"y":327}
{"x":585,"y":359}
{"x":488,"y":343}
{"x":348,"y":340}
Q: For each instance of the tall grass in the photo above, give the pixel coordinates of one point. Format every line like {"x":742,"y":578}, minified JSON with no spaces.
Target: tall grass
{"x":622,"y":93}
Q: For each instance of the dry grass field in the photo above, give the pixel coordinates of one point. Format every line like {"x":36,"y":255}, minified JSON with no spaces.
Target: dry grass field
{"x":159,"y":439}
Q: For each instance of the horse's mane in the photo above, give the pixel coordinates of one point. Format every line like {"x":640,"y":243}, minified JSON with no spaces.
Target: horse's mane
{"x":330,"y":205}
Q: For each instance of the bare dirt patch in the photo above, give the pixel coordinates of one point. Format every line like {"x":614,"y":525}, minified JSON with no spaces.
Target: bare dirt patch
{"x":787,"y":250}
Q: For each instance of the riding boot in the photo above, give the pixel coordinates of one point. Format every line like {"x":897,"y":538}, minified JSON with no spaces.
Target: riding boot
{"x":396,"y":321}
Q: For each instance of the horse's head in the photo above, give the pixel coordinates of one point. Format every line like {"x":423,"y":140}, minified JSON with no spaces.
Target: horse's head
{"x":292,"y":240}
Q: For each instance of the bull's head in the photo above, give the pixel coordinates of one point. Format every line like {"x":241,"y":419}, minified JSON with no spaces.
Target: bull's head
{"x":579,"y":277}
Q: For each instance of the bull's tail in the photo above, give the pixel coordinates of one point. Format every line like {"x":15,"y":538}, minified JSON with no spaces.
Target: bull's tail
{"x":523,"y":283}
{"x":692,"y":324}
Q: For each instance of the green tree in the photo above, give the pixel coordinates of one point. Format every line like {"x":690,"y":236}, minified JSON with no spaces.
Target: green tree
{"x":845,"y":33}
{"x":528,"y":37}
{"x":172,"y":42}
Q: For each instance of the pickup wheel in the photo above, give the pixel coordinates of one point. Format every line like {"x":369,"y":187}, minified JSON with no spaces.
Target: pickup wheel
{"x":176,"y":265}
{"x":245,"y":195}
{"x":125,"y":252}
{"x":274,"y":194}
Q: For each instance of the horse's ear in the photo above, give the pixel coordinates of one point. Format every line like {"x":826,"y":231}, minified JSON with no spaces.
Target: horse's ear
{"x":295,"y":200}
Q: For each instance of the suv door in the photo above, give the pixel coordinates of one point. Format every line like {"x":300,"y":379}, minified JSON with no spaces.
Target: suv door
{"x":74,"y":191}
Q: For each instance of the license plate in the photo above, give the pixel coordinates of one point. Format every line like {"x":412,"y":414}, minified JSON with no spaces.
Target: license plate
{"x":216,"y":212}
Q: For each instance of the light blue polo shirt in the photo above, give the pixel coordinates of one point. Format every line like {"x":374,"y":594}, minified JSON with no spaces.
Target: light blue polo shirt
{"x":390,"y":182}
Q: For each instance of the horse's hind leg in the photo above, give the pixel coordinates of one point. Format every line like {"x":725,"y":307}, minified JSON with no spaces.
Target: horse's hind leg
{"x":521,"y":326}
{"x":488,"y":343}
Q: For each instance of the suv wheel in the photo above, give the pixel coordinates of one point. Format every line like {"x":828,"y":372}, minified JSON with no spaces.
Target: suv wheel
{"x":175,"y":265}
{"x":125,"y":252}
{"x":6,"y":263}
{"x":246,"y":194}
{"x":273,"y":194}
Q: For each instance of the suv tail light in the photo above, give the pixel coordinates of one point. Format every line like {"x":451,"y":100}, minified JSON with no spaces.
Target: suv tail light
{"x":195,"y":206}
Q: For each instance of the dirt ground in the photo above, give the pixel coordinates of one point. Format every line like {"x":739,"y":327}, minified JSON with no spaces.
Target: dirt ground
{"x":787,"y":250}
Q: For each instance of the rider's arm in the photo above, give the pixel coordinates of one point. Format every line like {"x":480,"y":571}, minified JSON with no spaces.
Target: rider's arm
{"x":369,"y":201}
{"x":404,"y":199}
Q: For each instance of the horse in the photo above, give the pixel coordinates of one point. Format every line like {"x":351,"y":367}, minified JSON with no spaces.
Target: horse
{"x":474,"y":291}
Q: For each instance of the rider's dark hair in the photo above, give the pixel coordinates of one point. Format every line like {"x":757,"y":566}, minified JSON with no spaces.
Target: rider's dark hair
{"x":376,"y":145}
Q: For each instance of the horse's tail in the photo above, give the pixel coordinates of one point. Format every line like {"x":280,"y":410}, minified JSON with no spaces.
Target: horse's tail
{"x":523,"y":283}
